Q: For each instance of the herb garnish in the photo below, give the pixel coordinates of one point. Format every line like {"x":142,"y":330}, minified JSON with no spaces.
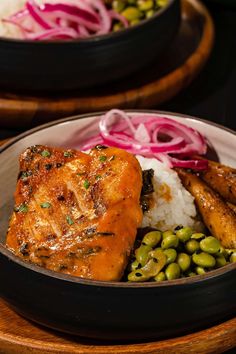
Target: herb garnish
{"x":102,"y":158}
{"x":86,"y":184}
{"x":23,"y":208}
{"x":69,"y":220}
{"x":68,"y":154}
{"x":46,"y":153}
{"x":45,"y":205}
{"x":98,"y":177}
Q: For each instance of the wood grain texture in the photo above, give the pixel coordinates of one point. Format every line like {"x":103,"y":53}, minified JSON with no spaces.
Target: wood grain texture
{"x":156,"y":84}
{"x":18,"y":335}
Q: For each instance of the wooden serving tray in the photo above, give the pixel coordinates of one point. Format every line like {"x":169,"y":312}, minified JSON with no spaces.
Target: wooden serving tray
{"x":153,"y":85}
{"x":19,"y":336}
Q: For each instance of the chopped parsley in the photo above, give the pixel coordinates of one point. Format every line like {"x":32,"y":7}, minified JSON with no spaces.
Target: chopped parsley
{"x":45,"y":205}
{"x":102,"y":158}
{"x":23,"y":208}
{"x":86,"y":184}
{"x":68,"y":154}
{"x":98,"y":177}
{"x":46,"y":153}
{"x":69,"y":220}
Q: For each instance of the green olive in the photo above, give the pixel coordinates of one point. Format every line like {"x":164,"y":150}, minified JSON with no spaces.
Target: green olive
{"x":233,"y":257}
{"x":200,"y":270}
{"x":210,"y":245}
{"x":198,"y":236}
{"x":184,"y":261}
{"x":184,"y":234}
{"x":204,"y":259}
{"x":152,"y":238}
{"x":131,"y":13}
{"x":172,"y":271}
{"x":170,"y":241}
{"x":220,"y":261}
{"x":142,"y":254}
{"x":171,"y":255}
{"x":192,"y":246}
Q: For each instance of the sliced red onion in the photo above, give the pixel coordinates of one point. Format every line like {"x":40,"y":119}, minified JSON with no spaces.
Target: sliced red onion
{"x":37,"y":15}
{"x":116,"y":16}
{"x":53,"y":33}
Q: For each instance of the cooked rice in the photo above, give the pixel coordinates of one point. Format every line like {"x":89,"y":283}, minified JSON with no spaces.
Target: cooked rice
{"x":173,"y":204}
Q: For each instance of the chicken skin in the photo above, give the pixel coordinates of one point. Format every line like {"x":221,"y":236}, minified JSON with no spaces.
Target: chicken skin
{"x":77,"y":213}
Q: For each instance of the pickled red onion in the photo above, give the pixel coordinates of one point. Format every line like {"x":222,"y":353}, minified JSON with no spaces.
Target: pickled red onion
{"x":140,"y":135}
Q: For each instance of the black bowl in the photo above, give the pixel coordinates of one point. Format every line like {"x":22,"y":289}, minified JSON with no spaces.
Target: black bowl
{"x":109,"y":310}
{"x":69,"y":65}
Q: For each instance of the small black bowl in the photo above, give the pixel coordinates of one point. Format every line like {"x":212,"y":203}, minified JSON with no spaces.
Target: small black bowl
{"x":109,"y":310}
{"x":45,"y":67}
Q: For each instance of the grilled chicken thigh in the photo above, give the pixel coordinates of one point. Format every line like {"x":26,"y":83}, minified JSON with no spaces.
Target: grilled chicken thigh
{"x":77,"y":213}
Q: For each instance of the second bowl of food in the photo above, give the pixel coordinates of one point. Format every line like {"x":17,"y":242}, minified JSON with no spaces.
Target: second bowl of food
{"x":133,"y":238}
{"x":66,"y":45}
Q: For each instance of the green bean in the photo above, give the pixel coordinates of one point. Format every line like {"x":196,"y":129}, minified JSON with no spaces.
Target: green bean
{"x":192,"y":246}
{"x":204,"y":259}
{"x":210,"y":245}
{"x":184,"y":234}
{"x":184,"y":261}
{"x":152,"y":238}
{"x":142,"y":254}
{"x":171,"y":255}
{"x":170,"y":241}
{"x":172,"y":271}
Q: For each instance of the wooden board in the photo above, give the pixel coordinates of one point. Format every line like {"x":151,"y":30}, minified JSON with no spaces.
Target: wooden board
{"x":19,"y":336}
{"x":156,"y":84}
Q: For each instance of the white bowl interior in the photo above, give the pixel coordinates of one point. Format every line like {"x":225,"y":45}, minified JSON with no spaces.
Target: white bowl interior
{"x":71,"y":133}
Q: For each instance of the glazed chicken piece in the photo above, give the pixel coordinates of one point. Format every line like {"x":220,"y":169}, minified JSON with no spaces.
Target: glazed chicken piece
{"x":77,"y":213}
{"x":222,"y":179}
{"x":219,"y":218}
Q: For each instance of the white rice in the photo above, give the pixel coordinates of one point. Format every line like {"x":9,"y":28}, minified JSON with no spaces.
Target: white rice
{"x":173,"y":204}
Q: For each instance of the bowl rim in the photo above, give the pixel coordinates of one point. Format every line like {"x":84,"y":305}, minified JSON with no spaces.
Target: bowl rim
{"x":92,"y":39}
{"x":115,"y":284}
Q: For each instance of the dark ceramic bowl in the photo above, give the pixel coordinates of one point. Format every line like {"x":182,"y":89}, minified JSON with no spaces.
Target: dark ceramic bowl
{"x":69,"y":65}
{"x":109,"y":310}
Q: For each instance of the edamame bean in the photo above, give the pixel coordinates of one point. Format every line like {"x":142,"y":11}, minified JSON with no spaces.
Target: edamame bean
{"x":131,"y":13}
{"x":167,"y":233}
{"x":184,"y":234}
{"x":210,"y":245}
{"x":142,"y":254}
{"x":220,"y":261}
{"x":160,"y":277}
{"x":135,"y":265}
{"x":170,"y":241}
{"x":233,"y":257}
{"x":152,"y":238}
{"x":171,"y":255}
{"x":118,"y":5}
{"x":198,"y":236}
{"x":137,"y":276}
{"x":172,"y":271}
{"x":145,"y":5}
{"x":200,"y":270}
{"x":192,"y":246}
{"x":184,"y":261}
{"x":204,"y":259}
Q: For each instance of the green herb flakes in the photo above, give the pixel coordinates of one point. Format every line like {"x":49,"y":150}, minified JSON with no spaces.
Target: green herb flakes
{"x":46,"y":153}
{"x":86,"y":184}
{"x":45,"y":205}
{"x":102,"y":158}
{"x":68,"y":154}
{"x":23,"y":208}
{"x":98,"y":177}
{"x":69,"y":220}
